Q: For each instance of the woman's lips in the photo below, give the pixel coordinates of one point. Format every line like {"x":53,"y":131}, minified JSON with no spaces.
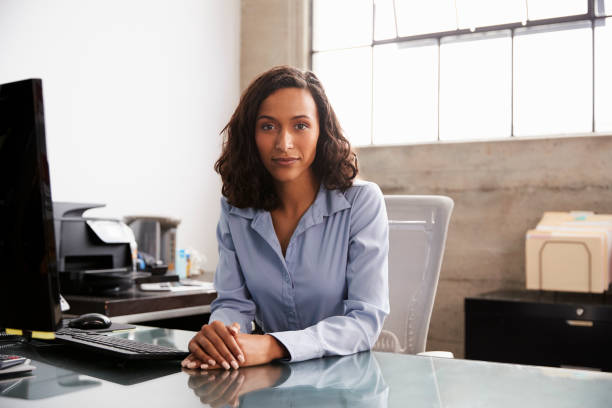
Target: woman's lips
{"x":285,"y":161}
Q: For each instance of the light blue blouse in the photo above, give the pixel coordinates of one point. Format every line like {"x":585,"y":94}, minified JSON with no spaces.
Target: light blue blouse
{"x":329,"y":295}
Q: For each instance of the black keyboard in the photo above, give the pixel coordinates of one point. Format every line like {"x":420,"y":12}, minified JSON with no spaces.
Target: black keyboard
{"x":118,"y":346}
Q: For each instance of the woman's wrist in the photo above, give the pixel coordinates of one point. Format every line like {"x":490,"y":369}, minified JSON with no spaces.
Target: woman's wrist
{"x":277,"y":350}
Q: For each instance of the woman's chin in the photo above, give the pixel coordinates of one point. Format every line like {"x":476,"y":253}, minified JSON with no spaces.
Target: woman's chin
{"x":286,"y":175}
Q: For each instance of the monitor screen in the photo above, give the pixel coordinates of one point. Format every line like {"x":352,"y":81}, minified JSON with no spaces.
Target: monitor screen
{"x":29,"y":293}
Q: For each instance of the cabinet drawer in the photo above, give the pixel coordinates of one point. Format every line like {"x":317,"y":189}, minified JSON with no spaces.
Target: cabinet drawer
{"x":498,"y":334}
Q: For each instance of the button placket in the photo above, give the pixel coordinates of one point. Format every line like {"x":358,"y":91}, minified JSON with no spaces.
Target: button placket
{"x":289,"y":262}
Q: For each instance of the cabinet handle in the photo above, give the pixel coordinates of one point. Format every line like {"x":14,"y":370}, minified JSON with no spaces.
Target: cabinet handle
{"x":581,"y":323}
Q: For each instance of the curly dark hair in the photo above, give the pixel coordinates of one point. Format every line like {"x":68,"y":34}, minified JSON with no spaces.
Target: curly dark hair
{"x":246,"y":182}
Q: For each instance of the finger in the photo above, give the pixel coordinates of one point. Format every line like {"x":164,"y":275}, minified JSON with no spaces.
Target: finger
{"x":214,"y":339}
{"x":230,"y":348}
{"x":189,"y":360}
{"x":226,"y":345}
{"x":198,"y":357}
{"x":206,"y":354}
{"x":235,"y":328}
{"x":211,"y":348}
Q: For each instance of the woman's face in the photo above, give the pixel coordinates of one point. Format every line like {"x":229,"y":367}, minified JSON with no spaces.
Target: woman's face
{"x":286,"y":134}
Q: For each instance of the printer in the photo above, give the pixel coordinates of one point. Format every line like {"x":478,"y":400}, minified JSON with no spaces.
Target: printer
{"x":94,"y":255}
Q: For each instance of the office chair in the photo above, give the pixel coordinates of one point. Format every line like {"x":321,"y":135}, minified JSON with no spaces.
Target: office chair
{"x":417,"y":235}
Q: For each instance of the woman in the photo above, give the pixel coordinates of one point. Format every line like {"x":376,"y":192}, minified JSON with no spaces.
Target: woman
{"x":302,"y":245}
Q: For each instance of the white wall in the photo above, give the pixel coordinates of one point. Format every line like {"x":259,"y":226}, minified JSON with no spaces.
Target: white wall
{"x":136,"y":93}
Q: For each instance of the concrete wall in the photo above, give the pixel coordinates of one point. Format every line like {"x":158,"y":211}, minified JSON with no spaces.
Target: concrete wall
{"x":273,"y":32}
{"x":500,"y":189}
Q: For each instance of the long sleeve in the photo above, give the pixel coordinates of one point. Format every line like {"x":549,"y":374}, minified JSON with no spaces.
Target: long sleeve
{"x":233,"y":302}
{"x":367,"y":299}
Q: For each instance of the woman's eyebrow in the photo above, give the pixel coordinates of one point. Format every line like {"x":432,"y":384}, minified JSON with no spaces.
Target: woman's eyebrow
{"x":260,"y":117}
{"x":302,"y":117}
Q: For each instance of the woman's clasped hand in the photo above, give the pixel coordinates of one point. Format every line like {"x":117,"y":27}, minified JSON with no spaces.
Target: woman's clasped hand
{"x":214,"y":346}
{"x":219,"y":346}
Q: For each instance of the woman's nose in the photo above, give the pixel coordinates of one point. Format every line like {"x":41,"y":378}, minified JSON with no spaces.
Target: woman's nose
{"x":284,"y":140}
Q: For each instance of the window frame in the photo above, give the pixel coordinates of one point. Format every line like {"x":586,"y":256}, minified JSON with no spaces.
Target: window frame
{"x":590,"y":15}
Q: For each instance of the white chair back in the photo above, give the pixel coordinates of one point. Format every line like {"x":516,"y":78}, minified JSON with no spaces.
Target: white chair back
{"x":417,"y":236}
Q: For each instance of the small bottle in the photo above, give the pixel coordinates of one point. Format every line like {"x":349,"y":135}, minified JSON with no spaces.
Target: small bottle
{"x":188,"y":268}
{"x":181,"y":264}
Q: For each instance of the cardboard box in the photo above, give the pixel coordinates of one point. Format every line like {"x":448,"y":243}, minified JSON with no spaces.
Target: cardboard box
{"x":570,"y":252}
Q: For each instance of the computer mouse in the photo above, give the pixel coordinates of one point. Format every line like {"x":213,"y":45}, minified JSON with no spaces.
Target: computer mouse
{"x":90,"y":321}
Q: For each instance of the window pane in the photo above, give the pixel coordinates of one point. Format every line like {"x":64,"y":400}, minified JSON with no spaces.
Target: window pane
{"x":346,"y":77}
{"x":406,"y":92}
{"x":384,"y":24}
{"x":481,"y":13}
{"x":430,"y":16}
{"x":540,"y":9}
{"x":341,"y":23}
{"x":553,"y":79}
{"x":603,"y":7}
{"x":475,"y":86}
{"x":603,"y":75}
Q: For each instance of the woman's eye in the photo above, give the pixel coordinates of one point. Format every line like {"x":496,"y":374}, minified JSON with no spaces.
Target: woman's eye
{"x":267,"y":126}
{"x":301,"y":126}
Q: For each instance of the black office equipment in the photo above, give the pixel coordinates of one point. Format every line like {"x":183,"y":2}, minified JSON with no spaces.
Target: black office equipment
{"x":29,"y":293}
{"x":557,"y":329}
{"x":29,"y":296}
{"x":94,"y":255}
{"x":90,"y":321}
{"x":117,"y":346}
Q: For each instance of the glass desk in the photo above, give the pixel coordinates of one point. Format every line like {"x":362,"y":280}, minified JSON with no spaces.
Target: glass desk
{"x":65,"y":378}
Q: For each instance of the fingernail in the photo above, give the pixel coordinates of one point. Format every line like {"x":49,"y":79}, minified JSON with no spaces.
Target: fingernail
{"x":183,"y":363}
{"x":225,"y":365}
{"x":191,"y":364}
{"x":211,"y":362}
{"x":235,"y":365}
{"x":241,"y":358}
{"x":204,"y":366}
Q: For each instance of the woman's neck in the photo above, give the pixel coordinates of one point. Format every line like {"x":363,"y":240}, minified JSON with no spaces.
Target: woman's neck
{"x":297,"y":195}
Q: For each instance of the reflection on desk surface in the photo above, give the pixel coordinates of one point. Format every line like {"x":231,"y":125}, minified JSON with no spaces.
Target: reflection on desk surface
{"x":46,"y":381}
{"x":65,"y":379}
{"x":154,"y":335}
{"x":352,"y":381}
{"x":468,"y":383}
{"x":385,"y":379}
{"x":76,"y":362}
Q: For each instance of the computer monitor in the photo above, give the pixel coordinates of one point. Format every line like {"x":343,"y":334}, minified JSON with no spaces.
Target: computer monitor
{"x":29,"y":292}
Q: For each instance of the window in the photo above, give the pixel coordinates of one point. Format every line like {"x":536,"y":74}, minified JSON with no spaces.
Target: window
{"x":553,"y":89}
{"x":411,"y":71}
{"x":475,"y":86}
{"x":409,"y":106}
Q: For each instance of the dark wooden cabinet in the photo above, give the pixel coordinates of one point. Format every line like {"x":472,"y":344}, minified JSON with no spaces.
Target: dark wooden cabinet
{"x":540,"y":328}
